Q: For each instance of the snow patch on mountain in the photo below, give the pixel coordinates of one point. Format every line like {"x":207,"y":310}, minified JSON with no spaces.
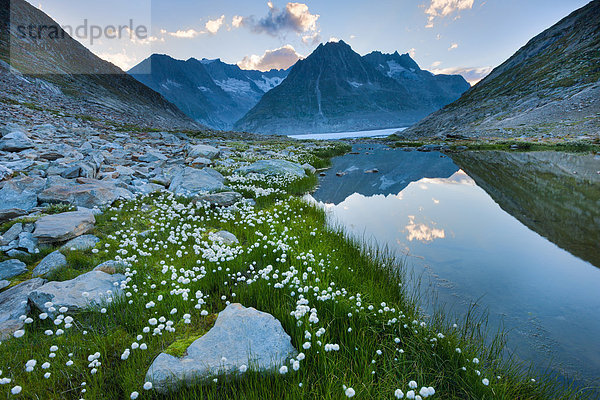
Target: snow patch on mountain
{"x":234,"y":85}
{"x":265,"y":84}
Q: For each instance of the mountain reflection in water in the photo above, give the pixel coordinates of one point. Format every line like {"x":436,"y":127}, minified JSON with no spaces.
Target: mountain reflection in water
{"x":494,"y":246}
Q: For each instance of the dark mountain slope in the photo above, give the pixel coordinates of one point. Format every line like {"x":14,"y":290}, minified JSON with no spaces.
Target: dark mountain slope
{"x":76,"y":72}
{"x":335,"y":89}
{"x":435,"y":90}
{"x":549,"y":88}
{"x":212,"y":92}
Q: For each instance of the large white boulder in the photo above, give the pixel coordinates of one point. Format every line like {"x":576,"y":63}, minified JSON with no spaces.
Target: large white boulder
{"x":240,"y":336}
{"x":89,"y":289}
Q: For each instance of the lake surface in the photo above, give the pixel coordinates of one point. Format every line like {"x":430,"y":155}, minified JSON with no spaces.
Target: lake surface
{"x":378,"y":133}
{"x":514,"y":232}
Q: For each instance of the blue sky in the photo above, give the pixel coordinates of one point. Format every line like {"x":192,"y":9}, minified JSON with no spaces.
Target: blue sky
{"x":459,"y":36}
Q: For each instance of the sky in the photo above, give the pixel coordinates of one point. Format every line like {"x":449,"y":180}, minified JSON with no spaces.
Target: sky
{"x":468,"y":37}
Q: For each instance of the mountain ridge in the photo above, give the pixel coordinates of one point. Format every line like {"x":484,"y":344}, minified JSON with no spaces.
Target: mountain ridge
{"x":336,"y":89}
{"x":99,"y":88}
{"x":549,"y":88}
{"x":213,"y":93}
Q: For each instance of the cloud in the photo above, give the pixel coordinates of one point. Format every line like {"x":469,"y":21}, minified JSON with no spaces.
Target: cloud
{"x":296,"y":17}
{"x":313,"y":38}
{"x":185,"y":34}
{"x":237,"y":21}
{"x":471,"y":74}
{"x":281,"y":58}
{"x":121,"y":60}
{"x":443,"y":8}
{"x":436,"y":64}
{"x":213,"y":25}
{"x":333,"y":39}
{"x":412,"y":52}
{"x":422,"y":232}
{"x":453,"y":46}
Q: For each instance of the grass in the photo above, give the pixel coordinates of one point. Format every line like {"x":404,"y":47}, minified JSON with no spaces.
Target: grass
{"x":357,"y":293}
{"x":512,"y":145}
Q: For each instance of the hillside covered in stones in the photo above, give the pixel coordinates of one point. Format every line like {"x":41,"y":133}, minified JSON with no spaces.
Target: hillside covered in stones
{"x":550,"y":88}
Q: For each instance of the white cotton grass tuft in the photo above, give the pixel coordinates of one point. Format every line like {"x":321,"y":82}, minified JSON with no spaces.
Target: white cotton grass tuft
{"x":399,"y":394}
{"x":349,"y":392}
{"x":147,"y":385}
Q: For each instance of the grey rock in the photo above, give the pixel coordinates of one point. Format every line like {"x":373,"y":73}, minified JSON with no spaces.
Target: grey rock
{"x":110,"y":266}
{"x":84,"y":242}
{"x":99,"y":286}
{"x":9,"y":127}
{"x":16,"y":141}
{"x":88,"y":193}
{"x":273,"y":167}
{"x":64,"y":226}
{"x":11,"y":213}
{"x":192,"y":181}
{"x":11,"y":234}
{"x":5,"y":172}
{"x":12,"y":197}
{"x":11,"y":268}
{"x":16,"y":253}
{"x":71,"y":172}
{"x":4,"y":284}
{"x":227,"y":237}
{"x":242,"y":336}
{"x":13,"y":304}
{"x":145,"y":187}
{"x":152,"y":156}
{"x":221,"y":199}
{"x":50,"y":263}
{"x":203,"y":150}
{"x":18,"y":165}
{"x":201,"y":162}
{"x":309,"y":168}
{"x":28,"y":242}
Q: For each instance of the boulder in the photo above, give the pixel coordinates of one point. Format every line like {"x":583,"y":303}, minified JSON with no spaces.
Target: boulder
{"x":221,"y":199}
{"x":50,"y":263}
{"x":16,"y":141}
{"x":11,"y":213}
{"x":84,"y":242}
{"x":27,"y":242}
{"x":85,"y":192}
{"x":11,"y":268}
{"x":192,"y":181}
{"x":201,"y":162}
{"x":203,"y":150}
{"x":5,"y":172}
{"x":13,"y":304}
{"x":14,"y":197}
{"x":240,"y":336}
{"x":227,"y":237}
{"x":110,"y":266}
{"x":152,"y":156}
{"x":91,"y":288}
{"x":309,"y":168}
{"x":273,"y":167}
{"x":64,"y":226}
{"x":11,"y":234}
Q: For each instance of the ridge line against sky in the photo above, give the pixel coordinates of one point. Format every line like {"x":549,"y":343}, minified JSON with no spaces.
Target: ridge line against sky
{"x":467,"y":37}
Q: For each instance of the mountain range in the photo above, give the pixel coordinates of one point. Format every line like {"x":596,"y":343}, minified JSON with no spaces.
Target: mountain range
{"x":550,"y":88}
{"x":333,"y":89}
{"x":61,"y":73}
{"x":211,"y":92}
